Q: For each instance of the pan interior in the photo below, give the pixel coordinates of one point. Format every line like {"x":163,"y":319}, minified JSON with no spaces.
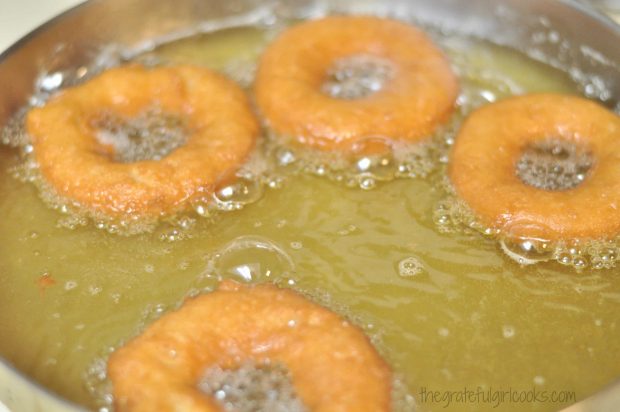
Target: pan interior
{"x":448,"y":310}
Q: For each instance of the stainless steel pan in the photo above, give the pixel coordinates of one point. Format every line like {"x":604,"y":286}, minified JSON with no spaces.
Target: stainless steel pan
{"x":590,"y":45}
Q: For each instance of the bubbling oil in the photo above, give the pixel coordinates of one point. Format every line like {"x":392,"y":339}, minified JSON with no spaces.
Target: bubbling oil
{"x":357,"y":76}
{"x":364,"y":167}
{"x":151,"y":135}
{"x":452,"y":215}
{"x":554,"y":164}
{"x":443,"y":305}
{"x":252,"y":388}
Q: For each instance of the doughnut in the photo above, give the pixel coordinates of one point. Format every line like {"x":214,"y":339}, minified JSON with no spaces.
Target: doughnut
{"x":332,"y":363}
{"x":332,"y":82}
{"x":573,"y":145}
{"x":219,"y":125}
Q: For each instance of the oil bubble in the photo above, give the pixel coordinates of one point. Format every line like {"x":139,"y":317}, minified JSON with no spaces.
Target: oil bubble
{"x":370,"y":169}
{"x":94,"y":290}
{"x":171,"y":234}
{"x":379,"y":167}
{"x":251,"y":258}
{"x":580,"y":263}
{"x":527,"y":251}
{"x":185,"y":222}
{"x":367,"y":183}
{"x":508,"y":331}
{"x":238,"y":194}
{"x":410,"y":267}
{"x":70,"y":285}
{"x":451,"y":215}
{"x":347,"y":230}
{"x":285,"y":156}
{"x":201,"y":207}
{"x":275,"y":182}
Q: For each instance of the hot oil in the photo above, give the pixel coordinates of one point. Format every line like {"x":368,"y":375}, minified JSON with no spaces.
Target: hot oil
{"x":247,"y":42}
{"x":448,"y":310}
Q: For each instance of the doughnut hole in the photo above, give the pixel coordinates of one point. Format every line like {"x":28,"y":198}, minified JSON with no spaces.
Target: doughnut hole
{"x":252,"y":387}
{"x":151,"y":135}
{"x":554,"y":164}
{"x":357,"y":76}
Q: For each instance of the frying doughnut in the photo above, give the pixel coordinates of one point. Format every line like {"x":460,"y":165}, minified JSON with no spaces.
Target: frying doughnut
{"x":487,"y":157}
{"x":220,"y":126}
{"x":333,"y":365}
{"x":405,"y":86}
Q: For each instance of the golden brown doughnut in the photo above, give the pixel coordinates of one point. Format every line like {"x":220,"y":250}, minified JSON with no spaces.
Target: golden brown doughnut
{"x":333,"y":365}
{"x":221,"y":129}
{"x":416,"y":97}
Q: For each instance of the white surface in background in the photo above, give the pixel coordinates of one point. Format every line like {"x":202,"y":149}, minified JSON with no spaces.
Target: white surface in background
{"x":3,"y":408}
{"x":19,"y":17}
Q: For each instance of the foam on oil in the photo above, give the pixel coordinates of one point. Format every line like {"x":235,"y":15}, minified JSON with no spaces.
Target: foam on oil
{"x":448,"y":310}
